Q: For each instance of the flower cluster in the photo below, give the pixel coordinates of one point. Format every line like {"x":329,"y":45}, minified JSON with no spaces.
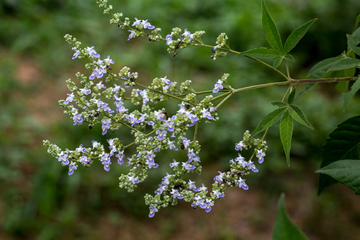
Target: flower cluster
{"x":103,"y":99}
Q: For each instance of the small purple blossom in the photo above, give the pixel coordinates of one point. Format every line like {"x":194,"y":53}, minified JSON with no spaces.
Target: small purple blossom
{"x":251,"y":166}
{"x":218,"y":194}
{"x":188,"y":166}
{"x":241,"y":183}
{"x":188,"y":36}
{"x":260,"y":155}
{"x":219,"y":178}
{"x":134,"y":179}
{"x":153,"y":210}
{"x":192,"y":185}
{"x":76,"y":54}
{"x":218,"y":86}
{"x":85,"y":91}
{"x":168,"y":39}
{"x":174,"y":163}
{"x":186,"y":142}
{"x":63,"y":158}
{"x":206,"y":114}
{"x":72,"y":167}
{"x":120,"y":156}
{"x":176,"y":194}
{"x":172,"y":145}
{"x":132,"y":34}
{"x":207,"y":205}
{"x":161,"y":134}
{"x":70,"y":98}
{"x":84,"y":160}
{"x":239,"y":146}
{"x":92,"y":52}
{"x":108,"y":61}
{"x":77,"y":118}
{"x":105,"y":125}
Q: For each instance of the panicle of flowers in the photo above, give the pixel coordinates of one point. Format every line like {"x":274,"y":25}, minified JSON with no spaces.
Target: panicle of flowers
{"x":221,"y":47}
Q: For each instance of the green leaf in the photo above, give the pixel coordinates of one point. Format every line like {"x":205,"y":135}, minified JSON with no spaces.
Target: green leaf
{"x":349,"y":95}
{"x":346,"y":172}
{"x":324,"y":65}
{"x":286,"y":130}
{"x":353,"y":44}
{"x":284,"y":228}
{"x":269,"y":120}
{"x":289,"y":58}
{"x":343,"y":143}
{"x":272,"y":33}
{"x":291,"y":96}
{"x":345,"y":64}
{"x":277,"y":62}
{"x":261,"y":53}
{"x":298,"y":115}
{"x":308,"y":88}
{"x":297,"y":35}
{"x":357,"y":23}
{"x":279,"y":104}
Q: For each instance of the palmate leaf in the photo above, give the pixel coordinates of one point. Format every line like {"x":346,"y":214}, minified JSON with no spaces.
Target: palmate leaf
{"x":272,"y":33}
{"x":297,"y":35}
{"x":269,"y":120}
{"x":286,"y":130}
{"x":284,"y":228}
{"x":343,"y":143}
{"x":346,"y":172}
{"x":349,"y":95}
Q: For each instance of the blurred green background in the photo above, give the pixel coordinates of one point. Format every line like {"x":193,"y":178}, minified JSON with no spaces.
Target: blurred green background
{"x":38,"y":200}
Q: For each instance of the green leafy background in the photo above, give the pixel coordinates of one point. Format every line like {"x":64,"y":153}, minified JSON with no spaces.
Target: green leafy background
{"x":39,"y":200}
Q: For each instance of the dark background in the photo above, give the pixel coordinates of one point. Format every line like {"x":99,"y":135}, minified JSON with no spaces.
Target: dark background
{"x":39,"y":200}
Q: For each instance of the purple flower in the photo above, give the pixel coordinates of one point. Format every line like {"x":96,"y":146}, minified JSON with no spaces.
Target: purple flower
{"x":251,"y":166}
{"x":70,"y":98}
{"x":188,"y":166}
{"x":168,"y":39}
{"x":136,"y":23}
{"x":63,"y":158}
{"x":199,"y":201}
{"x":206,"y":114}
{"x":241,"y":183}
{"x":72,"y":167}
{"x":161,"y":189}
{"x":169,"y":125}
{"x":187,"y":35}
{"x":108,"y":61}
{"x":207,"y":205}
{"x":132,"y":34}
{"x":191,"y":154}
{"x":105,"y":160}
{"x":219,"y":178}
{"x":85,"y":91}
{"x":144,"y":96}
{"x":172,"y":145}
{"x":174,"y":163}
{"x":186,"y":142}
{"x":77,"y":118}
{"x":95,"y":144}
{"x":84,"y":160}
{"x":153,"y":210}
{"x":218,"y":85}
{"x":260,"y":155}
{"x":151,"y":164}
{"x":92,"y":52}
{"x":147,"y":25}
{"x":160,"y":115}
{"x":218,"y":194}
{"x":239,"y":146}
{"x":192,"y":185}
{"x":176,"y":194}
{"x":76,"y":54}
{"x":120,"y":156}
{"x":161,"y":134}
{"x":105,"y":125}
{"x":133,"y":179}
{"x":167,"y":83}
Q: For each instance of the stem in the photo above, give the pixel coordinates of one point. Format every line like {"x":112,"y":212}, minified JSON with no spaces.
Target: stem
{"x":224,"y":100}
{"x":293,"y":82}
{"x":195,"y":131}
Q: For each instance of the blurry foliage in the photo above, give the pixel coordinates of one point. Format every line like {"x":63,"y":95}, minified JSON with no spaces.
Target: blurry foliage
{"x":39,"y":199}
